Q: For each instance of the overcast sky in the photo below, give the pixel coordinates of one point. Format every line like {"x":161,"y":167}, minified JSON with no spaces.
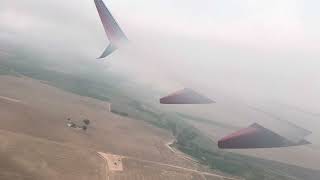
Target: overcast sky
{"x":247,"y":49}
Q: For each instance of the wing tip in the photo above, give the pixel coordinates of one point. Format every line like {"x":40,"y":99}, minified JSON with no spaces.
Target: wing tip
{"x":109,"y":50}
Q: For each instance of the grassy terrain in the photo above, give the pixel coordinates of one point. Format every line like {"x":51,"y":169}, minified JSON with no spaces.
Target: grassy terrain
{"x":208,"y":121}
{"x":193,"y":143}
{"x":106,"y":86}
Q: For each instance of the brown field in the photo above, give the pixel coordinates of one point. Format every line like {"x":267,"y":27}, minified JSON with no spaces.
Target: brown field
{"x":114,"y":162}
{"x":37,"y":144}
{"x":137,"y":169}
{"x":30,"y":158}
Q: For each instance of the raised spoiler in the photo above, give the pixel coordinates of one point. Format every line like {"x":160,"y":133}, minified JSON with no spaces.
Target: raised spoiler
{"x":256,"y":136}
{"x":185,"y":96}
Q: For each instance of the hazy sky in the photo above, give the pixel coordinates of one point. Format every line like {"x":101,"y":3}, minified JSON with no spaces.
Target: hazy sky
{"x":249,"y":50}
{"x":246,"y":49}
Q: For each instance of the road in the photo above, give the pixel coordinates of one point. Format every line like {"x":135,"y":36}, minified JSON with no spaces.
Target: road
{"x":10,"y":99}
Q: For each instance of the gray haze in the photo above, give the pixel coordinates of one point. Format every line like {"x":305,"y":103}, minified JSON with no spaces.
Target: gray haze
{"x":253,"y":52}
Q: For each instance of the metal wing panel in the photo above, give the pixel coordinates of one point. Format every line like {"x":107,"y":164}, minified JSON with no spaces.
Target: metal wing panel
{"x":281,"y":124}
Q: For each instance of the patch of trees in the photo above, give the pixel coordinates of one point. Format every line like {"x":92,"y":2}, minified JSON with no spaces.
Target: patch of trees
{"x":119,"y":113}
{"x":194,"y":144}
{"x":72,"y":124}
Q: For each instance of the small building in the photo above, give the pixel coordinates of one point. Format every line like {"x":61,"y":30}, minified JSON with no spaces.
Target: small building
{"x":71,"y":124}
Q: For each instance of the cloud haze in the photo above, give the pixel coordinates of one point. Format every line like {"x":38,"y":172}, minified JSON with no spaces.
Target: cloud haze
{"x":250,"y":50}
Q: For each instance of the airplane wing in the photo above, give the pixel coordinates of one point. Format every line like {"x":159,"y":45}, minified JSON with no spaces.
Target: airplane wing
{"x":279,"y":123}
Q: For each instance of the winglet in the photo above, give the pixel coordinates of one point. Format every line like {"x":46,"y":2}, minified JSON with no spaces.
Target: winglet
{"x":110,"y":49}
{"x":114,"y":33}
